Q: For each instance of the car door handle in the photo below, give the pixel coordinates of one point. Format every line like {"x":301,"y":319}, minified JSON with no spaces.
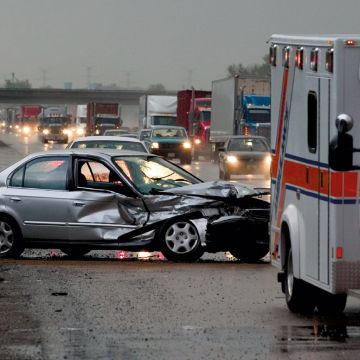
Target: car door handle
{"x":16,"y":199}
{"x":78,"y":203}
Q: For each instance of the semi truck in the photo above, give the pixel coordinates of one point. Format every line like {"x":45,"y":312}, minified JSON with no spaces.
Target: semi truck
{"x":235,"y":113}
{"x":29,"y":119}
{"x":194,"y":114}
{"x":315,"y":142}
{"x":102,"y":116}
{"x":157,"y":110}
{"x":54,"y":124}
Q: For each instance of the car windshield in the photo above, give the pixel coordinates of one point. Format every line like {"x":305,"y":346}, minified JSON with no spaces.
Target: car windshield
{"x":152,"y":174}
{"x":115,"y":132}
{"x":250,"y":144}
{"x":259,"y":116}
{"x":103,"y":121}
{"x":169,"y":133}
{"x":205,"y":115}
{"x":55,"y":121}
{"x":164,"y":120}
{"x":118,"y":145}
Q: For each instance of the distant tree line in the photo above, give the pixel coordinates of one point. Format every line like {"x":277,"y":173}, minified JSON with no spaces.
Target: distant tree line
{"x":254,"y":71}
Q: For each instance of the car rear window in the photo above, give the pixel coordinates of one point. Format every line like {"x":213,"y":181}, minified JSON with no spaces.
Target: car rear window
{"x":247,"y":145}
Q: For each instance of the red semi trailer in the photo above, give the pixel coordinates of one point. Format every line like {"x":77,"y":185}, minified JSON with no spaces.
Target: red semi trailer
{"x":194,"y":114}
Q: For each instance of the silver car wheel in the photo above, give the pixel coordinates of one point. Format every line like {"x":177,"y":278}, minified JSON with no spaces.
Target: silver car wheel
{"x":182,"y":237}
{"x":6,"y":237}
{"x":290,"y":275}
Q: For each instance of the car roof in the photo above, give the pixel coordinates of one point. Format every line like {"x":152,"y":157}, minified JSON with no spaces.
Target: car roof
{"x":166,"y":127}
{"x":105,"y":154}
{"x":246,"y":137}
{"x":107,"y":138}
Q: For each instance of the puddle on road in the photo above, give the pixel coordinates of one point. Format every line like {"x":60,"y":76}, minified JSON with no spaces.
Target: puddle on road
{"x":319,"y":336}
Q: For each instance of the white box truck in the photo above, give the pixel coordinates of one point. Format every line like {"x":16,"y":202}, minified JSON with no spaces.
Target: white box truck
{"x":157,"y":110}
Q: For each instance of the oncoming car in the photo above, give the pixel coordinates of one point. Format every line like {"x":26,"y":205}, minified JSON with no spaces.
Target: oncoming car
{"x":79,"y":200}
{"x":244,"y":155}
{"x":170,"y":141}
{"x":108,"y":142}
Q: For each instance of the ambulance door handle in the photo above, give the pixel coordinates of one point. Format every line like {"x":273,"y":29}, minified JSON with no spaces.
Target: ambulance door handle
{"x":307,"y":175}
{"x":321,"y":179}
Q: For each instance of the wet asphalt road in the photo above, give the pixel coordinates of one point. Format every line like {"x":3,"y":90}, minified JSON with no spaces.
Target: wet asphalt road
{"x":105,"y":307}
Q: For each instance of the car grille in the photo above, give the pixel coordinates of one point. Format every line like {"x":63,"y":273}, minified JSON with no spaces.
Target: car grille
{"x":165,"y":146}
{"x":55,"y":129}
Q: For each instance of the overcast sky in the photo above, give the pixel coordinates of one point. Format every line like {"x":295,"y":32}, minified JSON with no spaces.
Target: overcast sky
{"x":143,"y":42}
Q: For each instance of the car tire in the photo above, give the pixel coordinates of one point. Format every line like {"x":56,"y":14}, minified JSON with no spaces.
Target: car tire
{"x":180,"y":241}
{"x":11,"y":239}
{"x":250,"y":255}
{"x":75,"y":251}
{"x":299,"y":296}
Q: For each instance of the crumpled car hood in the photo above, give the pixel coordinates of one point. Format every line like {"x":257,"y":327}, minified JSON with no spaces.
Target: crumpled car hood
{"x":215,"y":189}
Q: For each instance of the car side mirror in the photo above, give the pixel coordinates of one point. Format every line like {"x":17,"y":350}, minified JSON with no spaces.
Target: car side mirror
{"x":341,"y":147}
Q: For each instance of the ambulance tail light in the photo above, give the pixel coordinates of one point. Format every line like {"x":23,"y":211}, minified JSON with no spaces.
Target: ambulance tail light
{"x":329,"y":64}
{"x":339,"y":252}
{"x":299,"y":58}
{"x":314,"y":59}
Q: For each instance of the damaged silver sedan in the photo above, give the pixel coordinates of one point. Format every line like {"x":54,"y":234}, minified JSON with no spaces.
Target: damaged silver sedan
{"x":81,"y":200}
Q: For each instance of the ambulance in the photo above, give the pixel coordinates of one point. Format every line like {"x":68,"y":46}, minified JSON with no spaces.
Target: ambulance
{"x":315,"y":136}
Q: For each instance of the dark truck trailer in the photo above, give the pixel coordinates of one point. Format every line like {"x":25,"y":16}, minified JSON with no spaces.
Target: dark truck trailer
{"x":102,"y":116}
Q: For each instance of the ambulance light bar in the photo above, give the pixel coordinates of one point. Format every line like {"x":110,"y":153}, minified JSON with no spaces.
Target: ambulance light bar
{"x":299,"y":58}
{"x":329,"y":63}
{"x":286,"y":56}
{"x":272,"y":55}
{"x":314,"y":59}
{"x":350,"y":42}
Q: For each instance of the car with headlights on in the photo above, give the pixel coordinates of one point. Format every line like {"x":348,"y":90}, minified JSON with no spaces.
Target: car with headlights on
{"x":54,"y":128}
{"x":78,"y":200}
{"x":244,"y":155}
{"x":171,"y":142}
{"x":108,"y":142}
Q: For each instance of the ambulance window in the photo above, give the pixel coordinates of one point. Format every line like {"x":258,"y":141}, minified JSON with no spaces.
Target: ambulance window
{"x":312,"y":121}
{"x":314,"y":59}
{"x":272,"y":55}
{"x":329,"y":65}
{"x":286,"y":56}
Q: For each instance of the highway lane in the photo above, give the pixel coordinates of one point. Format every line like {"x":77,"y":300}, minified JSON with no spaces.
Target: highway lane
{"x":109,"y":307}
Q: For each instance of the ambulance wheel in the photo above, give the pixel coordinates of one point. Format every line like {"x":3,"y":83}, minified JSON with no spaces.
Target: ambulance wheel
{"x":298,"y":294}
{"x":331,"y":303}
{"x":179,"y":240}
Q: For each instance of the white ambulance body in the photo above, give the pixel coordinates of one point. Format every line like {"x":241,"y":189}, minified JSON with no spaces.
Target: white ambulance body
{"x":315,"y":219}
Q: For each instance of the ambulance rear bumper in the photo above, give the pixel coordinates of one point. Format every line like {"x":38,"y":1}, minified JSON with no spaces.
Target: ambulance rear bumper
{"x":345,"y":275}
